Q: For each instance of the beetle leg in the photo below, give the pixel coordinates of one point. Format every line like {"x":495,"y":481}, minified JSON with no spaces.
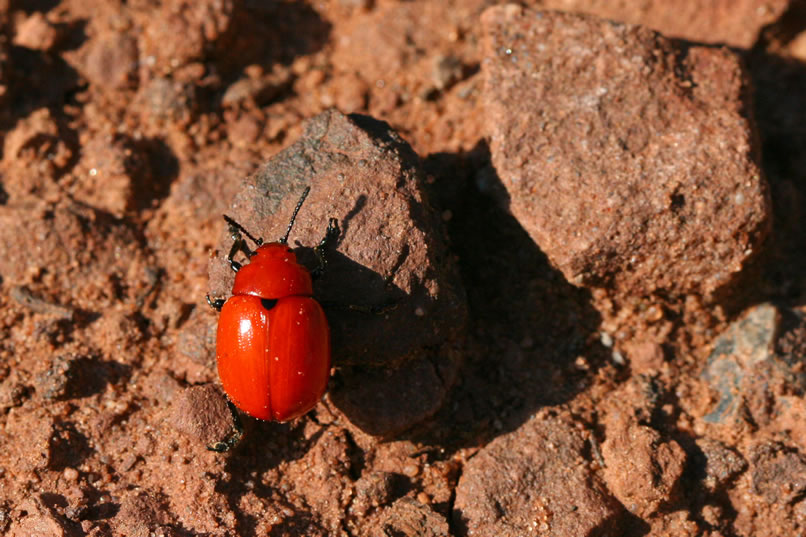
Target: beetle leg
{"x":331,"y":234}
{"x":231,"y":441}
{"x":238,"y":244}
{"x":237,"y":229}
{"x":216,"y":304}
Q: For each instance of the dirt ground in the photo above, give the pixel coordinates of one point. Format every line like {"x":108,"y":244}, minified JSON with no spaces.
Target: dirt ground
{"x":475,"y":391}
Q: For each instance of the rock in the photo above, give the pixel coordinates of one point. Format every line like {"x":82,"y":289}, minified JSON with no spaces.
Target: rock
{"x":42,"y":520}
{"x":59,"y":381}
{"x":391,"y":291}
{"x":140,"y":514}
{"x":641,"y":468}
{"x":199,"y":23}
{"x":110,"y":60}
{"x":37,"y":442}
{"x":106,"y":172}
{"x":645,"y":356}
{"x":102,"y":260}
{"x":373,"y":491}
{"x":736,"y":24}
{"x":201,"y":413}
{"x":446,"y":71}
{"x":165,"y":100}
{"x":34,"y":154}
{"x":621,"y":152}
{"x":36,"y":32}
{"x":679,"y":524}
{"x":405,"y":518}
{"x":719,"y":463}
{"x":750,"y":379}
{"x":323,"y":476}
{"x":197,"y":340}
{"x":535,"y":480}
{"x":778,"y":472}
{"x":372,"y":397}
{"x":27,"y":435}
{"x":260,"y":90}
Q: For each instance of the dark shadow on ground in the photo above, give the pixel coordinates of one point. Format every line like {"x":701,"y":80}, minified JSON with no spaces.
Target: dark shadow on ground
{"x":528,"y":326}
{"x":780,"y":111}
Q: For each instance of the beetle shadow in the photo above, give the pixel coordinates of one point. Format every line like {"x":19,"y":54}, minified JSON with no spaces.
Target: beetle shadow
{"x":533,"y":338}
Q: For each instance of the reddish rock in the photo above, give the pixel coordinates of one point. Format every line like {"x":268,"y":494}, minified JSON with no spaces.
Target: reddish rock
{"x":535,"y":480}
{"x":34,"y":154}
{"x":736,"y":23}
{"x":391,"y":292}
{"x":27,"y":435}
{"x":100,"y":261}
{"x":110,"y":60}
{"x":201,"y":412}
{"x":140,"y":514}
{"x":645,"y":356}
{"x":36,"y":32}
{"x":631,"y":161}
{"x":641,"y":468}
{"x":60,"y":380}
{"x":104,"y":177}
{"x":678,"y":524}
{"x":197,"y":340}
{"x":41,"y":519}
{"x":165,"y":100}
{"x":719,"y":463}
{"x":259,"y":89}
{"x":386,"y":400}
{"x":199,"y":24}
{"x":405,"y":518}
{"x":372,"y":491}
{"x":779,"y":472}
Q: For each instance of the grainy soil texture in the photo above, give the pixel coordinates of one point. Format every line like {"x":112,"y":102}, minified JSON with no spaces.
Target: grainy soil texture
{"x":568,"y":297}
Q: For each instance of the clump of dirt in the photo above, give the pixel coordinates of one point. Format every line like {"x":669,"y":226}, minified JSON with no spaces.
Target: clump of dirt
{"x":568,"y":297}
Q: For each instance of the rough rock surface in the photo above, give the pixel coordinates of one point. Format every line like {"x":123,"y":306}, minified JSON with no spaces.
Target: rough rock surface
{"x":201,"y":412}
{"x":641,"y":468}
{"x":631,"y":161}
{"x":104,"y":330}
{"x":736,"y":23}
{"x":81,"y":240}
{"x":778,"y":473}
{"x":535,"y":481}
{"x":720,"y":463}
{"x":391,"y":291}
{"x":406,"y":518}
{"x":739,"y":354}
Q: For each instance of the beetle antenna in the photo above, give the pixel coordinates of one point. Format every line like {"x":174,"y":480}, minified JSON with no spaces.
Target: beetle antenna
{"x":284,"y":239}
{"x":233,"y":225}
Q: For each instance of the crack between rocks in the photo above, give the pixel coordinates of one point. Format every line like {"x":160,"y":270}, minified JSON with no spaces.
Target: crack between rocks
{"x":453,"y":525}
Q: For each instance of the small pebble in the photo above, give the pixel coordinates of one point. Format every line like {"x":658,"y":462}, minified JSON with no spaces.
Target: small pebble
{"x":411,"y":469}
{"x":70,"y":474}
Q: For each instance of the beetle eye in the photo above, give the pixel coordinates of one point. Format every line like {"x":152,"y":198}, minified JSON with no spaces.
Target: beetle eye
{"x":268,"y":303}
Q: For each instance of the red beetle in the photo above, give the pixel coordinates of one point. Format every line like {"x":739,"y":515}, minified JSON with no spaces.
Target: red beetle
{"x":273,"y":340}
